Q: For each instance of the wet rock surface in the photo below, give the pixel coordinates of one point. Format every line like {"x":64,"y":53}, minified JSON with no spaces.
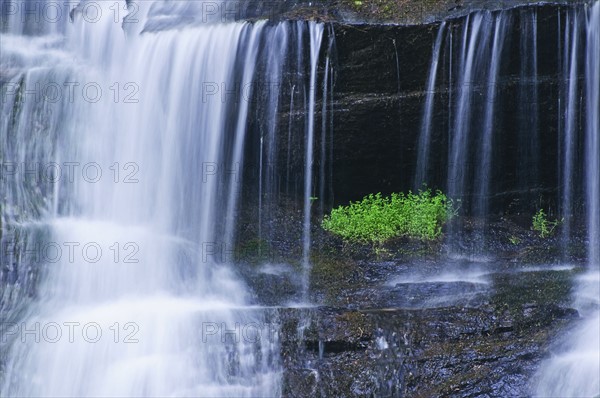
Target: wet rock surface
{"x":423,"y":321}
{"x":379,"y":93}
{"x":489,"y":346}
{"x":449,"y":351}
{"x":403,"y":12}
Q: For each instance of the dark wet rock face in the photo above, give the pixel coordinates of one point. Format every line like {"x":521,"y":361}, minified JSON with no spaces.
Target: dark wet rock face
{"x":403,"y":12}
{"x":425,"y":321}
{"x":419,"y":322}
{"x":451,"y":351}
{"x":379,"y":94}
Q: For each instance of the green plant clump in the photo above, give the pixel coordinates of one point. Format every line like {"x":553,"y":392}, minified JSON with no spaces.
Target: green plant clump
{"x":542,"y":225}
{"x":514,"y":240}
{"x":376,"y":218}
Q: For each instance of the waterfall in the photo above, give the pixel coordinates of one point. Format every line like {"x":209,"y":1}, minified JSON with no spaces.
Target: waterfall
{"x":425,"y":136}
{"x":571,"y":69}
{"x":267,"y":177}
{"x":36,"y":85}
{"x":486,"y":126}
{"x":474,"y":43}
{"x":459,"y":138}
{"x":472,"y":115}
{"x":323,"y":155}
{"x":528,"y":129}
{"x":573,"y":370}
{"x":289,"y":141}
{"x":592,"y":155}
{"x":483,"y":174}
{"x":316,"y":35}
{"x":144,"y":300}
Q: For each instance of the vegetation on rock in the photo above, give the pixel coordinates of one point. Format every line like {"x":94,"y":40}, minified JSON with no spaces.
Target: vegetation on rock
{"x":542,"y":225}
{"x":376,"y":219}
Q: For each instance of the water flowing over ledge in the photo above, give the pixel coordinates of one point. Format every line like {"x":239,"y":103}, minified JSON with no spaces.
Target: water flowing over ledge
{"x":211,"y":136}
{"x":165,"y":134}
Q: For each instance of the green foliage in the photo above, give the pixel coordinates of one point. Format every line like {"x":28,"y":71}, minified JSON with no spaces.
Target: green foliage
{"x":542,"y":225}
{"x":376,"y":218}
{"x":514,"y":240}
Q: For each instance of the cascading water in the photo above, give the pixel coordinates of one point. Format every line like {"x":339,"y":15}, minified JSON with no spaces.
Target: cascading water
{"x":315,"y":45}
{"x":570,"y":70}
{"x":528,"y":122}
{"x":150,"y":305}
{"x":472,"y":102}
{"x":425,"y":136}
{"x":268,"y":147}
{"x":592,"y":153}
{"x":39,"y":86}
{"x":326,"y":126}
{"x":483,"y":74}
{"x":460,"y":132}
{"x":476,"y":35}
{"x":485,"y":160}
{"x":170,"y":135}
{"x":574,"y":370}
{"x":482,"y":32}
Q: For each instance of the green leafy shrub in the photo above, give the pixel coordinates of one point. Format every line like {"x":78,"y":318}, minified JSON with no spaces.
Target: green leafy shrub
{"x":542,"y":225}
{"x":376,"y":218}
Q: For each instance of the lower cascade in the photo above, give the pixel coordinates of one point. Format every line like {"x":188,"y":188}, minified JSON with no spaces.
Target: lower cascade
{"x":574,"y":370}
{"x":246,"y":199}
{"x":134,"y":297}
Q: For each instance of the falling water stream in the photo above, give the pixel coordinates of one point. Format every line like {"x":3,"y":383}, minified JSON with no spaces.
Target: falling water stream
{"x":135,"y":172}
{"x":571,"y":67}
{"x":315,"y":45}
{"x":153,"y":307}
{"x":573,"y":369}
{"x":476,"y":72}
{"x":475,"y":30}
{"x":425,"y":136}
{"x":482,"y":175}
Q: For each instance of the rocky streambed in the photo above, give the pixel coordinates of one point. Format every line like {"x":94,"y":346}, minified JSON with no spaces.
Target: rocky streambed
{"x":426,"y":320}
{"x":425,"y":339}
